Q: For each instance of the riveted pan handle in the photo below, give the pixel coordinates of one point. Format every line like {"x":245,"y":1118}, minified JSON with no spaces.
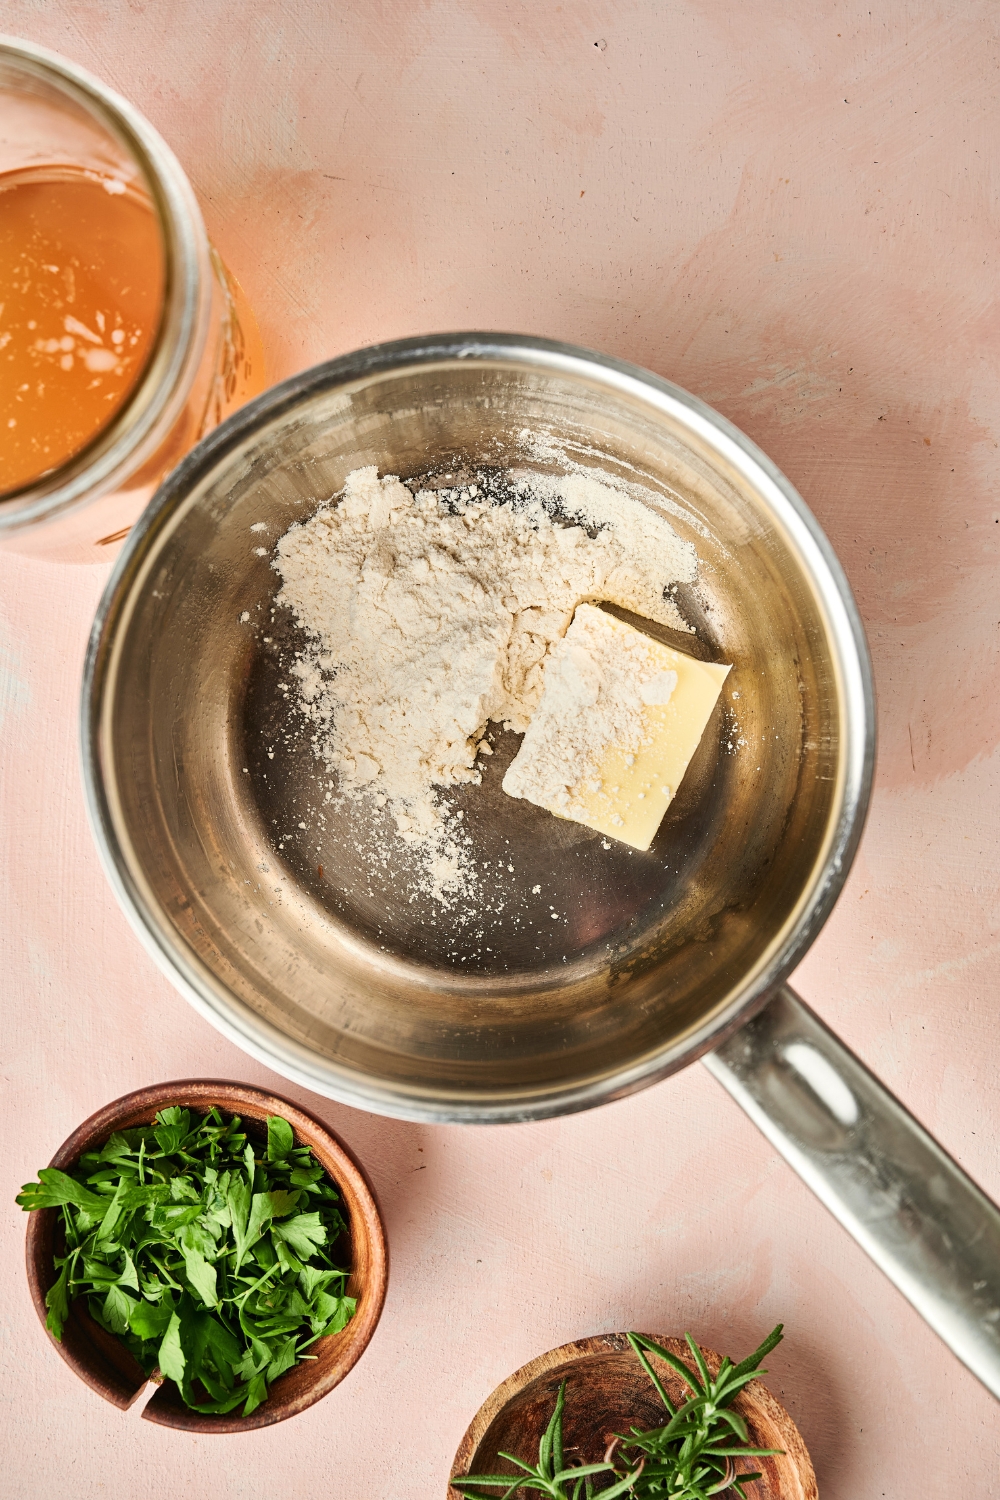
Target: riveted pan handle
{"x":933,"y":1232}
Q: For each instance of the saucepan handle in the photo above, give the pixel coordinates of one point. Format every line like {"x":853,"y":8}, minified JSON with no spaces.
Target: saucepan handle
{"x":934,"y":1233}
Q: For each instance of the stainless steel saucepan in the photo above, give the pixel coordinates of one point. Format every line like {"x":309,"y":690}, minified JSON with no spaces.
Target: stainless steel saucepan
{"x":325,"y":965}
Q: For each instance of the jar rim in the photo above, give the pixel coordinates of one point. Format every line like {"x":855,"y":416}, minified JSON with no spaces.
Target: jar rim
{"x":143,"y":421}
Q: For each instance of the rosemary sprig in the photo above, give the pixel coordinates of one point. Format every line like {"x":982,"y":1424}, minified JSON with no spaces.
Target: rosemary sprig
{"x":691,"y":1457}
{"x":548,"y":1477}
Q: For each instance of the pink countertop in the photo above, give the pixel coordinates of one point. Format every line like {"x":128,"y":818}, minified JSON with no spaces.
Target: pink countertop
{"x":792,"y":211}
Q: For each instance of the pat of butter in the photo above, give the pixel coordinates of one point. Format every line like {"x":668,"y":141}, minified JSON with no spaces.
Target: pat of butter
{"x":620,"y":718}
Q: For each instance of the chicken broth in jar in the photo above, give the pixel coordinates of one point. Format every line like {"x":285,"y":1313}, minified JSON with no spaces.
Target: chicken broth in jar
{"x":82,"y":278}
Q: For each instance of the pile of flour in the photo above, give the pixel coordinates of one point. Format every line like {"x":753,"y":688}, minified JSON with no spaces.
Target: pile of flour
{"x":430,"y":615}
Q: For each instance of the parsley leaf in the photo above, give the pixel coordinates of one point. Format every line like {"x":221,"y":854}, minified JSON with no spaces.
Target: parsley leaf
{"x":201,"y":1276}
{"x":54,"y":1189}
{"x":148,"y":1320}
{"x":116,"y":1309}
{"x":279,"y":1138}
{"x":305,"y":1233}
{"x":172,"y":1361}
{"x":57,"y":1302}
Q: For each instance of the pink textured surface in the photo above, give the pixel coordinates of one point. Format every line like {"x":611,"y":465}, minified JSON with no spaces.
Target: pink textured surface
{"x":790,"y":210}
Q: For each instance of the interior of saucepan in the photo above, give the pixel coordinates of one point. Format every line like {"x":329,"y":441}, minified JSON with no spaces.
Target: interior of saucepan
{"x":393,"y":999}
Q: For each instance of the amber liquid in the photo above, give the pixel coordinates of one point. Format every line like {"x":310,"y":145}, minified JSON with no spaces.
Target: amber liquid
{"x":81,"y":295}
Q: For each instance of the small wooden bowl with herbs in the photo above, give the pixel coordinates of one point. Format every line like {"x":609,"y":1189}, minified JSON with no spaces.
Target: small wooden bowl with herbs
{"x":215,"y":1239}
{"x":623,"y":1414}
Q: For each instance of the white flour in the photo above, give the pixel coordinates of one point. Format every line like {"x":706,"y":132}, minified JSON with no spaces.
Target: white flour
{"x":431,"y":615}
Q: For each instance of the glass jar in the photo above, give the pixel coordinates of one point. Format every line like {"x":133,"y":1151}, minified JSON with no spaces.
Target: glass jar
{"x":205,"y":356}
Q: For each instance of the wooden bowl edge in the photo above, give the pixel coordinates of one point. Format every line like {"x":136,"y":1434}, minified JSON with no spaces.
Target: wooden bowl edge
{"x":603,"y":1343}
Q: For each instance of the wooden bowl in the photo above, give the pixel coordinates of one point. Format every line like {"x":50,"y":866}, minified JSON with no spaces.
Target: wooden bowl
{"x":607,"y":1391}
{"x":108,"y":1367}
